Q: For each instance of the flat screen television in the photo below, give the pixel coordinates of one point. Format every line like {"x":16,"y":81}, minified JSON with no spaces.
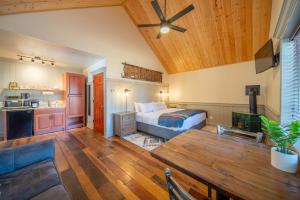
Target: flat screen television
{"x":264,"y":57}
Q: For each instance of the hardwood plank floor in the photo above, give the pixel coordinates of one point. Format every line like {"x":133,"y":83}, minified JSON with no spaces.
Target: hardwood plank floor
{"x":93,"y":167}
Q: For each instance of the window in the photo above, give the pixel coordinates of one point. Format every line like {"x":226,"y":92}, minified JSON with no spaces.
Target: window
{"x":290,"y":81}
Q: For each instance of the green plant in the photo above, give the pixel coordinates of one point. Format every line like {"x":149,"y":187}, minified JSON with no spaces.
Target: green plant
{"x":282,"y":136}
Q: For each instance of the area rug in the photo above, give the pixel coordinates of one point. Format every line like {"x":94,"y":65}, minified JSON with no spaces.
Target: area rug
{"x":145,"y":141}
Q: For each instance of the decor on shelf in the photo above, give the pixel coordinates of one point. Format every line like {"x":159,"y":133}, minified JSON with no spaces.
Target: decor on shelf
{"x":139,"y":73}
{"x":126,"y":91}
{"x":13,"y":86}
{"x":283,"y":138}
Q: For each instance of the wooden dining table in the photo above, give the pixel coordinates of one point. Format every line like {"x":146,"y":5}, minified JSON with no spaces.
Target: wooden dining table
{"x":234,"y":167}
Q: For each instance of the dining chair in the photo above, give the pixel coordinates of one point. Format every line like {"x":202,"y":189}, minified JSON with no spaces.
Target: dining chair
{"x":176,"y":192}
{"x":223,"y":130}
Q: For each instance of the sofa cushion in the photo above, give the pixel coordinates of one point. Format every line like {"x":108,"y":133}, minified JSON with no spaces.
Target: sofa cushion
{"x":29,"y":181}
{"x":14,"y":158}
{"x":6,"y":161}
{"x":32,"y":153}
{"x":56,"y":192}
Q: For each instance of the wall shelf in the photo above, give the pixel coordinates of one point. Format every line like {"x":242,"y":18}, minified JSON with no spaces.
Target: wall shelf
{"x":51,"y":90}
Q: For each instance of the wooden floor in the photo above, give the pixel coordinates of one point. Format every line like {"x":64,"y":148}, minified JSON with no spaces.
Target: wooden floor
{"x":93,"y":167}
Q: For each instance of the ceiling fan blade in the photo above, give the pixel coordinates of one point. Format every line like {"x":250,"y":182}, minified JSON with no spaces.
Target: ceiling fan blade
{"x":158,"y":36}
{"x":177,"y":28}
{"x":181,"y":13}
{"x":157,"y":9}
{"x":147,"y":25}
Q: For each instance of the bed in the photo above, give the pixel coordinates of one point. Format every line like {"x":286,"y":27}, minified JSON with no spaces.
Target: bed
{"x":148,"y":121}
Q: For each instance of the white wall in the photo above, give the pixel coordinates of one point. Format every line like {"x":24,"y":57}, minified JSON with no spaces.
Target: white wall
{"x":32,"y":75}
{"x":222,"y":84}
{"x":107,"y":31}
{"x":140,"y":91}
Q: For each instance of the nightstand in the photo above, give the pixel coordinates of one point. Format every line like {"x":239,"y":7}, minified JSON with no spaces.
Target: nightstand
{"x":124,"y":123}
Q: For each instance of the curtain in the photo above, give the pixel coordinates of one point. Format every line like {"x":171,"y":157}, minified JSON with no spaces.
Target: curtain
{"x":290,"y":80}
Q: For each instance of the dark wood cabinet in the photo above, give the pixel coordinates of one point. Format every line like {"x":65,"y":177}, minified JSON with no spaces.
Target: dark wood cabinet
{"x":75,"y":107}
{"x":49,"y":120}
{"x":76,"y":84}
{"x":75,"y":100}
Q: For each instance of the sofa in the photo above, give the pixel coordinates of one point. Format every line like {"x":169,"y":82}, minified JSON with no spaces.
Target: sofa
{"x":29,"y":172}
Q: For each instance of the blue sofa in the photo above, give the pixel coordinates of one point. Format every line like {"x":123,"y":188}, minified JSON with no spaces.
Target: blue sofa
{"x":29,"y":172}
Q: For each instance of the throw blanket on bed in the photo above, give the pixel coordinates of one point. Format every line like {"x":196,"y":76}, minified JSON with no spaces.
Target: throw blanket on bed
{"x":176,"y":119}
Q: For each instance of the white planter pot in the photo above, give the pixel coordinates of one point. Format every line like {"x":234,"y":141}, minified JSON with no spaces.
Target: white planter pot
{"x":284,"y":162}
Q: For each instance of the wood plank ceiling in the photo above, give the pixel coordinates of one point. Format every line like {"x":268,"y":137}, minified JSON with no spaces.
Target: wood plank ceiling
{"x":23,"y":6}
{"x":219,"y":32}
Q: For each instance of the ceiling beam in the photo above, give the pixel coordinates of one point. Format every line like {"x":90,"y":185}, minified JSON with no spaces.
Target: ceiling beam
{"x":8,"y":7}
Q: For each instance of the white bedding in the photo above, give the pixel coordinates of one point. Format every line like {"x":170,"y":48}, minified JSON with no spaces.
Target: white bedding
{"x":152,"y":119}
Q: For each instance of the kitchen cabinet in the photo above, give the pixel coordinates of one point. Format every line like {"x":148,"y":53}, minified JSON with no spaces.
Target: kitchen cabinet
{"x":75,"y":100}
{"x":49,"y":120}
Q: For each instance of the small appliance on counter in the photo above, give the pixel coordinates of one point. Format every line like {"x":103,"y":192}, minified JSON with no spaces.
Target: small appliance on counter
{"x":34,"y":103}
{"x":25,"y":95}
{"x":13,"y":103}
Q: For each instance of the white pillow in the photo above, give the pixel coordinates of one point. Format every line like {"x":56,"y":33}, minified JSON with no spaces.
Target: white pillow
{"x":137,"y":107}
{"x":159,"y":106}
{"x":146,"y":107}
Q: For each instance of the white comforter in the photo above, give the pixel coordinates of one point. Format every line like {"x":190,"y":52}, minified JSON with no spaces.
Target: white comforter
{"x":152,"y":119}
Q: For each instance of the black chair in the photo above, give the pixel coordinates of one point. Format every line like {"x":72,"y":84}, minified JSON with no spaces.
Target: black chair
{"x":176,"y":192}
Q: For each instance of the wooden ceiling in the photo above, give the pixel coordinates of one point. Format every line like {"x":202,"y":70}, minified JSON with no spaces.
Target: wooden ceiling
{"x":23,"y":6}
{"x":219,"y":32}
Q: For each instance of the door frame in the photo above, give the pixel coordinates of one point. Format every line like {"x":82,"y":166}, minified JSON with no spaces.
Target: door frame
{"x":90,"y":123}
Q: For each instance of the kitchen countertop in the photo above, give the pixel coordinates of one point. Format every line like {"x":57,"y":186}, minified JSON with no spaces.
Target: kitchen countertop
{"x":30,"y":108}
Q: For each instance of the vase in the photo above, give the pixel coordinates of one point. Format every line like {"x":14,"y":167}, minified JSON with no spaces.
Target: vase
{"x":283,"y":161}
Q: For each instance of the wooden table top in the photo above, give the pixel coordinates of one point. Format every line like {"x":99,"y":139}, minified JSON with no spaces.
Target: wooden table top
{"x":239,"y":168}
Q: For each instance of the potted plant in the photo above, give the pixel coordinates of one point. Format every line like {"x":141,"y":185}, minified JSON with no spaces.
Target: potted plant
{"x":283,"y":137}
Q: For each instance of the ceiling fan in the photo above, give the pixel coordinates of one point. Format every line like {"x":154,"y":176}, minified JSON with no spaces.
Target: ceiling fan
{"x":166,"y":24}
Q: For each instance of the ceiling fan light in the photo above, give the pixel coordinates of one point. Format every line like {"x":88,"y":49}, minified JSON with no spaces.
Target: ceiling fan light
{"x":165,"y":29}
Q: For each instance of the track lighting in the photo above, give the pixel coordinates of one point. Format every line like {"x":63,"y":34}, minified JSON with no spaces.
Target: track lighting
{"x":36,"y":58}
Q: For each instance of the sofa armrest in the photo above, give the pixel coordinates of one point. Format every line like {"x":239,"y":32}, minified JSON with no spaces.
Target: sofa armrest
{"x":15,"y":158}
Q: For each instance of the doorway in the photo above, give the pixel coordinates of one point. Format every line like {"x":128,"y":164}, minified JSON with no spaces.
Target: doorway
{"x":98,"y":80}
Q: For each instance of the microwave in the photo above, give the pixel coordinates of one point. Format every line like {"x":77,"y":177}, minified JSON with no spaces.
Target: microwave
{"x":13,"y":103}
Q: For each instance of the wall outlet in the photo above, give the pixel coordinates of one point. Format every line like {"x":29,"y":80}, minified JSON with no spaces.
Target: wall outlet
{"x":211,"y":117}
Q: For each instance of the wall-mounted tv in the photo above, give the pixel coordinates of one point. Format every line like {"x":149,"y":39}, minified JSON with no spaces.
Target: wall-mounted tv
{"x":264,"y":57}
